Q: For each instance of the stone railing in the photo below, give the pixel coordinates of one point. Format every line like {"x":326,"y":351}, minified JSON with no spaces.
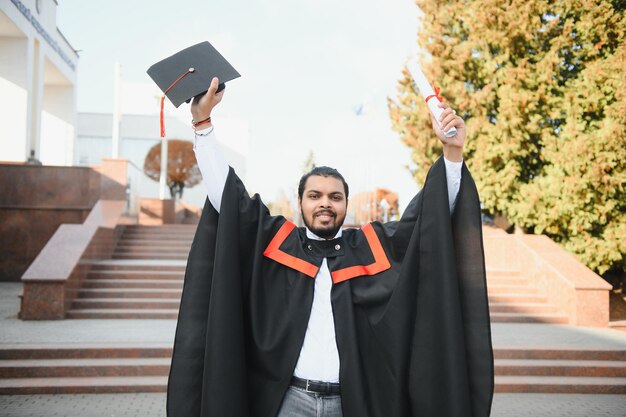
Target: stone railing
{"x":52,"y":281}
{"x":580,"y":294}
{"x":35,"y":200}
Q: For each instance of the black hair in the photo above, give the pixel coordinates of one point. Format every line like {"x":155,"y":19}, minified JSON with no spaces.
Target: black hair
{"x":322,"y":172}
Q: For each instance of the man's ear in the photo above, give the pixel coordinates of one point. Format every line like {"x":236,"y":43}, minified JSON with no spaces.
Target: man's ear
{"x":299,"y":205}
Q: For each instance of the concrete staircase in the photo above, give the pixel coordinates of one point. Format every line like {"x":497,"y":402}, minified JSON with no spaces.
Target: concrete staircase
{"x":144,"y":278}
{"x":155,"y":242}
{"x":580,"y":371}
{"x":75,"y":369}
{"x":513,"y":300}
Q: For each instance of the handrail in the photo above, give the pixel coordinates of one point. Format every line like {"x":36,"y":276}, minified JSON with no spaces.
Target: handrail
{"x":51,"y":280}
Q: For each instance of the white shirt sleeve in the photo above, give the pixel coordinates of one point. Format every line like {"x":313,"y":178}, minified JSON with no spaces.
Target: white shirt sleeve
{"x":453,"y":177}
{"x":212,"y":165}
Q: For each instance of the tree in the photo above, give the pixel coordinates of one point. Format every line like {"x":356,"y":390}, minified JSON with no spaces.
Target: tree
{"x":541,"y":88}
{"x":182,"y":168}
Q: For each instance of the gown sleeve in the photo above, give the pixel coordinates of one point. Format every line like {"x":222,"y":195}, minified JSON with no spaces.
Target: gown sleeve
{"x":441,"y":261}
{"x":209,"y":358}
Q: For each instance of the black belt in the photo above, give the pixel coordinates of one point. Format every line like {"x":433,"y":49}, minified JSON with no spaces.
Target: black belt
{"x":317,"y":387}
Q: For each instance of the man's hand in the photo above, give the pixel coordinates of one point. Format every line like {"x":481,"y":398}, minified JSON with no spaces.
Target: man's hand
{"x":452,"y":147}
{"x":201,"y":107}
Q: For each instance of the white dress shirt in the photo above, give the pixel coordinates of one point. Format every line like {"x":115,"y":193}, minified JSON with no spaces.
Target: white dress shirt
{"x":319,"y":357}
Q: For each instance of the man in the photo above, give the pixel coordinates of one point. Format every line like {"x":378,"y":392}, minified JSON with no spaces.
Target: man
{"x":387,"y":320}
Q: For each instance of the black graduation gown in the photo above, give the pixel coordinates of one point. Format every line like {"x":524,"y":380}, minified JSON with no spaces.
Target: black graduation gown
{"x":409,"y":304}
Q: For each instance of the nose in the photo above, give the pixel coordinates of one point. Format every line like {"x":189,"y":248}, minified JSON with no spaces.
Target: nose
{"x":325,"y":201}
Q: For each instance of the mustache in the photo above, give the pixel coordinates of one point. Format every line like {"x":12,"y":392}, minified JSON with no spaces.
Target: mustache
{"x":326,"y":212}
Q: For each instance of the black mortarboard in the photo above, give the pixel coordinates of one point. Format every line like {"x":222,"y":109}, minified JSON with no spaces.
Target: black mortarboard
{"x":188,"y":73}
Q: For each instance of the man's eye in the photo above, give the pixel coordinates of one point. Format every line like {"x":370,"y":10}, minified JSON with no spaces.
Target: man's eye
{"x":313,"y":196}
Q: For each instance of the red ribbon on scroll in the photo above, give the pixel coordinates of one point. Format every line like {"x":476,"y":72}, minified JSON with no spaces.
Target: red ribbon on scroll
{"x":437,"y":90}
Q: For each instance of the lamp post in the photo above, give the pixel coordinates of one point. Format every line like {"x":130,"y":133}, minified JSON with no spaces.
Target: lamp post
{"x":163,"y":176}
{"x":117,"y":77}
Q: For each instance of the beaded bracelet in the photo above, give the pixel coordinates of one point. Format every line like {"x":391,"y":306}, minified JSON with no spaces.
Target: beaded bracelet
{"x":201,"y":122}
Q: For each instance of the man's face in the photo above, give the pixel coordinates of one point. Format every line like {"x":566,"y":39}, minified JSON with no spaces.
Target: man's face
{"x":323,"y":205}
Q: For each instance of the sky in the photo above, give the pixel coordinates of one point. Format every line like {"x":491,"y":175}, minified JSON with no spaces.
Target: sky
{"x":306,"y":67}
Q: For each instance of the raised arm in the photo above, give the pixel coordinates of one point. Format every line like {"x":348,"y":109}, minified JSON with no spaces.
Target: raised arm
{"x":212,"y":164}
{"x":452,"y":148}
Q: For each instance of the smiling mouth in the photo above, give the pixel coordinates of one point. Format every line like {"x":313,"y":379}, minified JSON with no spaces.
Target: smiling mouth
{"x":325,"y":215}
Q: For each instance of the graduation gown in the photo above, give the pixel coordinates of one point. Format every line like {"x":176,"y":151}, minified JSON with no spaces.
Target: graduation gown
{"x":409,"y":303}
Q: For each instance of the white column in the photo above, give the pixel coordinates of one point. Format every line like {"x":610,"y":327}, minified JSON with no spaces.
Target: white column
{"x":15,"y":84}
{"x":35,"y":100}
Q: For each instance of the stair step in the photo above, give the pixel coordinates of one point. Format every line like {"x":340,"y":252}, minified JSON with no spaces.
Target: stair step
{"x":168,"y":236}
{"x":147,"y":253}
{"x":137,"y":265}
{"x":499,"y":281}
{"x":133,"y":283}
{"x":117,"y":255}
{"x":559,"y":353}
{"x":138,"y":275}
{"x":525,"y":308}
{"x":553,"y":367}
{"x":155,"y":249}
{"x":516,"y":298}
{"x":123,"y":313}
{"x":86,"y":385}
{"x":163,"y":226}
{"x":62,"y":368}
{"x":527,"y":318}
{"x":125,"y":303}
{"x":145,"y":292}
{"x":511,"y":289}
{"x":153,"y":242}
{"x":495,"y":272}
{"x":560,"y":384}
{"x":84,"y":351}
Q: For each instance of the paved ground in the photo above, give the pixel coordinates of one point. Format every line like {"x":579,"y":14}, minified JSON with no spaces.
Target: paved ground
{"x":14,"y":331}
{"x":153,"y":405}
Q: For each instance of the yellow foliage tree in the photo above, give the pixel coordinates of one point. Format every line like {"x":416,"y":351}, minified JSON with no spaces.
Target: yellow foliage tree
{"x":541,"y":86}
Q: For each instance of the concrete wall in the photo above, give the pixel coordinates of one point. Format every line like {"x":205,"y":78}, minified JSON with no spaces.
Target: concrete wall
{"x":57,"y":125}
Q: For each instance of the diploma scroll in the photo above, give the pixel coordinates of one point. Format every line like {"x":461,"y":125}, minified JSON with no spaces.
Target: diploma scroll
{"x":426,"y":90}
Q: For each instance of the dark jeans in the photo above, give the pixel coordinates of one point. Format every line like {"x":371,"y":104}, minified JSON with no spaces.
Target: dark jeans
{"x":299,"y":403}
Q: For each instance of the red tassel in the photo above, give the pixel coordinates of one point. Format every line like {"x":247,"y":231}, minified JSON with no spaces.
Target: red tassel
{"x":161,"y":117}
{"x":162,"y":120}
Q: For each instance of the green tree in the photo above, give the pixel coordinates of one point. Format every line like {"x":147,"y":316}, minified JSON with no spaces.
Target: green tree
{"x":541,"y":87}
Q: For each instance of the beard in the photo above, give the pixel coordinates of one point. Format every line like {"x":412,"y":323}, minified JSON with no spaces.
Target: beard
{"x":325,"y":232}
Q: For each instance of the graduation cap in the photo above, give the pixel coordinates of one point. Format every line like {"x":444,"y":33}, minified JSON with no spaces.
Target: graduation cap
{"x":188,"y":74}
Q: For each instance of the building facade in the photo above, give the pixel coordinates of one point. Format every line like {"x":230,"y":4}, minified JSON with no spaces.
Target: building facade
{"x":37,"y":84}
{"x":139,"y":133}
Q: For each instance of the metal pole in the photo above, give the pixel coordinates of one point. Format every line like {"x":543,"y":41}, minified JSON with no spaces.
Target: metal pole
{"x":115,"y":152}
{"x":163,"y":177}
